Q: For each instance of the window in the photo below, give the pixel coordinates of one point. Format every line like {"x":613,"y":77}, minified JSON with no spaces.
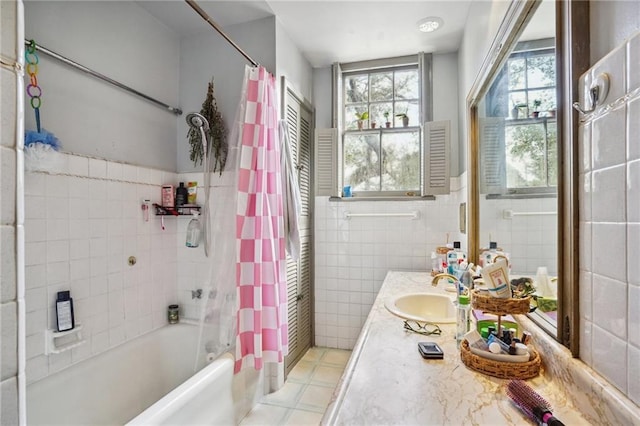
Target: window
{"x":382,"y":142}
{"x":380,"y":154}
{"x":525,"y":93}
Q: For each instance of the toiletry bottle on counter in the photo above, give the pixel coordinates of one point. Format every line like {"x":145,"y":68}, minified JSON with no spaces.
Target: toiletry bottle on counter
{"x":454,"y":258}
{"x":64,"y":311}
{"x":496,"y":278}
{"x":488,"y":256}
{"x":193,"y":231}
{"x":182,"y":194}
{"x":463,"y":322}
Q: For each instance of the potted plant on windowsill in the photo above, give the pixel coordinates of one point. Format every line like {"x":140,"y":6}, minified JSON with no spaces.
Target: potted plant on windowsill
{"x":536,"y":104}
{"x":387,"y":123}
{"x":361,"y":117}
{"x":405,"y":119}
{"x":515,"y":111}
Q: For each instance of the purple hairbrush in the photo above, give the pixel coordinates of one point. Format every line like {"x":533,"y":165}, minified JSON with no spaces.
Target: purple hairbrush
{"x":533,"y":405}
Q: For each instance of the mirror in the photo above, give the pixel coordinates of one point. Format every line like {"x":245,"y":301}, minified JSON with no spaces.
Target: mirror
{"x":518,"y":167}
{"x":520,"y":189}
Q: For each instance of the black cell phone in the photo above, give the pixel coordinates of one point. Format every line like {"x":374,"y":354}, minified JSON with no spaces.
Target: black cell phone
{"x":430,"y":350}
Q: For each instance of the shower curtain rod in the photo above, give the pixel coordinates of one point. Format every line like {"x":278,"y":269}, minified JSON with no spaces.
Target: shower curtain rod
{"x":217,"y":27}
{"x":40,"y":48}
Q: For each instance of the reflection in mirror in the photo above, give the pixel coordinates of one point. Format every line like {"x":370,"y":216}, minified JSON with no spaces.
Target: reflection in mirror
{"x":518,"y":161}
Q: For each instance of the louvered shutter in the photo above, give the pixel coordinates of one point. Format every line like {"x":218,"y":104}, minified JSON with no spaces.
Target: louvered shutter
{"x":292,"y":307}
{"x":437,"y":135}
{"x":292,"y":114}
{"x":492,"y":156}
{"x":326,"y":162}
{"x":304,"y":290}
{"x":304,"y":167}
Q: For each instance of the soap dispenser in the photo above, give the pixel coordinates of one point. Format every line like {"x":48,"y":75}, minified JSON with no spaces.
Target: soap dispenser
{"x":193,"y":231}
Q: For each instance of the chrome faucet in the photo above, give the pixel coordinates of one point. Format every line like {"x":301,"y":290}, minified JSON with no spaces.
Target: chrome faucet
{"x":196,"y":294}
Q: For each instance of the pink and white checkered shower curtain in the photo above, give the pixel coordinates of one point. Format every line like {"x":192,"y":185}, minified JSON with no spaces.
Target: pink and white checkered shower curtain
{"x":260,"y":270}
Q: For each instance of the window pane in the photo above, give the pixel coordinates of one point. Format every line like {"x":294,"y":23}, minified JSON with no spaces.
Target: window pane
{"x":362,"y":161}
{"x":411,"y":109}
{"x":378,"y":110}
{"x":356,"y":88}
{"x":541,"y":71}
{"x":516,"y":74}
{"x":519,"y":100}
{"x":552,"y":156}
{"x":547,"y":98}
{"x":382,"y":86}
{"x":401,"y":161}
{"x":406,"y":83}
{"x":350,"y":118}
{"x":526,"y":155}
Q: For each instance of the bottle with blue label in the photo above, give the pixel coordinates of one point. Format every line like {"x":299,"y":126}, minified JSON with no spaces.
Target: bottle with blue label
{"x":454,"y":258}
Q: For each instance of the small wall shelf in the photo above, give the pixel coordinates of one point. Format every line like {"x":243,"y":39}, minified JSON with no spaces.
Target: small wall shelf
{"x":56,"y":342}
{"x":185,"y":210}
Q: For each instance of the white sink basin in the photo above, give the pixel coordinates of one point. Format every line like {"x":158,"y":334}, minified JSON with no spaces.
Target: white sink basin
{"x":423,"y":307}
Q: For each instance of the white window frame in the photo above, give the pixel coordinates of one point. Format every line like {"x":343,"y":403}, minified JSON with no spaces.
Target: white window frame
{"x":493,"y":189}
{"x":424,"y":64}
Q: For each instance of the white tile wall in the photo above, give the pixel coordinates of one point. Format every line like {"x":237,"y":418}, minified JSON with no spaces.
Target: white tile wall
{"x":610,"y":226}
{"x":352,"y":256}
{"x":530,"y":241}
{"x":11,"y":218}
{"x":194,"y":268}
{"x":82,"y":224}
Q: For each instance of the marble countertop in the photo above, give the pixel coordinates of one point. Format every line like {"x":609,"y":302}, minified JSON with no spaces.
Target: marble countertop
{"x":388,"y":382}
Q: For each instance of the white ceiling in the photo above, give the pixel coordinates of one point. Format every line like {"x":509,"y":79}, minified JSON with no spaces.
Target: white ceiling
{"x":332,"y":31}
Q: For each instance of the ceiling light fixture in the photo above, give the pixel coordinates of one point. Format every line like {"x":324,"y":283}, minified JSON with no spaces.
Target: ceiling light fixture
{"x":430,"y":24}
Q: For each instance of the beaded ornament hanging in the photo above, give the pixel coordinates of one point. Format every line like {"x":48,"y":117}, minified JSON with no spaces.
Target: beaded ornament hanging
{"x":35,"y":93}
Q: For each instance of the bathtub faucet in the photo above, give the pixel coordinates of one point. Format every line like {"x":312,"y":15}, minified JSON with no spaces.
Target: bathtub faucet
{"x":196,"y":294}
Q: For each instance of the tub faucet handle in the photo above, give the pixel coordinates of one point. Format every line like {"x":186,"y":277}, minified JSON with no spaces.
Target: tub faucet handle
{"x":196,"y":294}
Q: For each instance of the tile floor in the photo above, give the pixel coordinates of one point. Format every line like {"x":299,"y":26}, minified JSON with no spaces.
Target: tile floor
{"x":306,"y":394}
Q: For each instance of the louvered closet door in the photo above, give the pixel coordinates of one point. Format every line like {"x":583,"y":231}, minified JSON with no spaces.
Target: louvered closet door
{"x":292,"y":309}
{"x":299,"y":282}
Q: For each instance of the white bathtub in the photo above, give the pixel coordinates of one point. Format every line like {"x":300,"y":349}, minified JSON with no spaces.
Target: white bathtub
{"x":116,"y":386}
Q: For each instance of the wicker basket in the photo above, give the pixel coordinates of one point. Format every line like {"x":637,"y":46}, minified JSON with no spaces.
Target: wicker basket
{"x":502,"y":370}
{"x":497,"y":306}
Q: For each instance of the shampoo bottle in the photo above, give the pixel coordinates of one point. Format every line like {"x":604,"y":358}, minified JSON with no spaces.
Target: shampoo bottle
{"x":193,"y":231}
{"x":64,"y":311}
{"x":182,"y":195}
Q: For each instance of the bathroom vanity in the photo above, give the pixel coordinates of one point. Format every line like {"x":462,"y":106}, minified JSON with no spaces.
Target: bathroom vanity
{"x":388,"y":382}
